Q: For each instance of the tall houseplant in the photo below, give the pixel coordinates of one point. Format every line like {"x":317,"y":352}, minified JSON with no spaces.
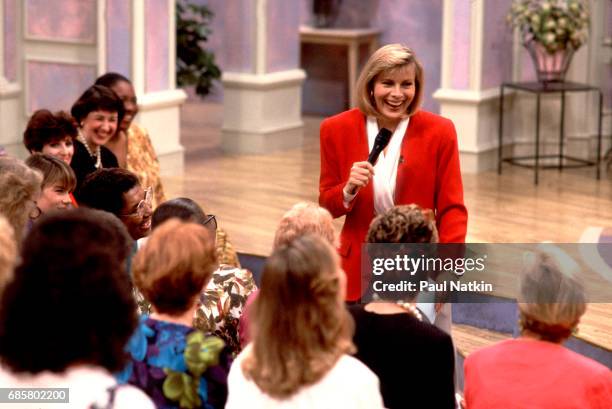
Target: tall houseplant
{"x":551,"y":30}
{"x":194,"y":64}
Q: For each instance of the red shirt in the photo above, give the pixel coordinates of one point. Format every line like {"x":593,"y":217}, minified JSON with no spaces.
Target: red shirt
{"x":524,"y":373}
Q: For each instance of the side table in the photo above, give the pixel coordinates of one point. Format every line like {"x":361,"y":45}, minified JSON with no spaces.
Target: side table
{"x":538,"y":89}
{"x":350,"y":37}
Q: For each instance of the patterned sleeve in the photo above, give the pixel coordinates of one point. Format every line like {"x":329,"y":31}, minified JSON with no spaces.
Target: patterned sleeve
{"x":222,"y":303}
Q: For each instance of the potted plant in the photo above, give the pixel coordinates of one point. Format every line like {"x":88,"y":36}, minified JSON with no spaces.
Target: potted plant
{"x":194,"y":64}
{"x":551,"y":31}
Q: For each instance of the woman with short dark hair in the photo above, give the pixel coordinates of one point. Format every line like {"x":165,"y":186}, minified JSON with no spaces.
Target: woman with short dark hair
{"x":51,"y":133}
{"x":68,"y":314}
{"x":98,"y":112}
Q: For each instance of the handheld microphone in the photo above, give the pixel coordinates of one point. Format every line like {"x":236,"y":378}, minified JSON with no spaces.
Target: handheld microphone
{"x":380,"y":143}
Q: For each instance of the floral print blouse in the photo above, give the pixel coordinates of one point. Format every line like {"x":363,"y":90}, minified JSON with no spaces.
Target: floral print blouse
{"x":177,"y":366}
{"x":221,"y":304}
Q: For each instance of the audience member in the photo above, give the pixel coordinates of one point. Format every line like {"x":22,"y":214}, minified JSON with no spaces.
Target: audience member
{"x":98,"y":112}
{"x":118,"y":191}
{"x":186,"y":209}
{"x":131,"y":143}
{"x":536,"y":370}
{"x":8,"y":253}
{"x":58,"y":182}
{"x":51,"y":133}
{"x":20,"y":187}
{"x":299,"y":356}
{"x":223,"y":300}
{"x":172,"y":362}
{"x":68,"y":312}
{"x":394,"y":334}
{"x":303,"y":218}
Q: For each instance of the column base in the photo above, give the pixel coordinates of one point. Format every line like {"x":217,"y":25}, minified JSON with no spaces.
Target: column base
{"x":13,"y":123}
{"x":262,"y":113}
{"x":160,"y":115}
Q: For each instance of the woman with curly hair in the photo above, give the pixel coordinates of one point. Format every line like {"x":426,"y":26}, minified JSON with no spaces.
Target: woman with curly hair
{"x":20,"y":187}
{"x":299,"y":356}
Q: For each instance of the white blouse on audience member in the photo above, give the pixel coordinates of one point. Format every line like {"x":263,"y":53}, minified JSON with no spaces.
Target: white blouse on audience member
{"x":348,"y":385}
{"x":88,"y":387}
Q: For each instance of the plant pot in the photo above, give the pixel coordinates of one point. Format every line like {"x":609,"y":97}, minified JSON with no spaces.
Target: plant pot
{"x":325,"y":12}
{"x":550,"y":67}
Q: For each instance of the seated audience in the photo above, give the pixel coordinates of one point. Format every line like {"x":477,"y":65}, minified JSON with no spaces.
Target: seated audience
{"x":303,"y":218}
{"x":57,"y":185}
{"x":536,"y":370}
{"x":131,"y":143}
{"x":20,"y":187}
{"x":222,"y":302}
{"x":52,"y":134}
{"x":299,"y":355}
{"x":97,"y":112}
{"x":394,"y":334}
{"x":68,"y":313}
{"x":175,"y":364}
{"x":8,"y":253}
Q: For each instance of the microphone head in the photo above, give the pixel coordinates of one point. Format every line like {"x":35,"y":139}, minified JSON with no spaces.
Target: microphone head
{"x":383,"y":138}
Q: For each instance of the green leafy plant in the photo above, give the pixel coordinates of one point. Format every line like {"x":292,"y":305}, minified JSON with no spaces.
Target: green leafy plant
{"x":555,"y":24}
{"x":194,"y":64}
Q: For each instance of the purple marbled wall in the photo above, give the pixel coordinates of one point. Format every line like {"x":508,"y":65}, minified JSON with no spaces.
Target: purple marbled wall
{"x":238,"y":35}
{"x":56,"y":86}
{"x":118,"y":37}
{"x":10,"y":39}
{"x":282,"y":37}
{"x":156,"y":47}
{"x":497,"y":45}
{"x":461,"y":48}
{"x":71,"y":20}
{"x":528,"y":72}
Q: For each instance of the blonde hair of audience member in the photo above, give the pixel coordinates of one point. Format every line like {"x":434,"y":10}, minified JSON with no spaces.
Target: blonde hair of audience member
{"x":20,"y":187}
{"x":304,"y":218}
{"x":388,"y":58}
{"x":174,"y":266}
{"x":551,"y":301}
{"x":300,"y":324}
{"x":8,"y":252}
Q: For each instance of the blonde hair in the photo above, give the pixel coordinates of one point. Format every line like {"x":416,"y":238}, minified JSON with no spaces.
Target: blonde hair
{"x":55,"y":171}
{"x":304,"y":218}
{"x":388,"y":58}
{"x":19,"y":185}
{"x":8,"y":253}
{"x":300,"y":324}
{"x":174,"y":265}
{"x":551,"y":301}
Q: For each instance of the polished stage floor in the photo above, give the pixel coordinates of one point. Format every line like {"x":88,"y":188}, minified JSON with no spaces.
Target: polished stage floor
{"x":249,"y":194}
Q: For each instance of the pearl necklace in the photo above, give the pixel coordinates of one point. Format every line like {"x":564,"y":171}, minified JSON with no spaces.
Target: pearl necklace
{"x":412,"y":309}
{"x":97,"y":155}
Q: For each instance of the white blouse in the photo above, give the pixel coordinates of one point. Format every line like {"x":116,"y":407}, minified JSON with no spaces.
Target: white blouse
{"x":348,"y":385}
{"x":385,"y":169}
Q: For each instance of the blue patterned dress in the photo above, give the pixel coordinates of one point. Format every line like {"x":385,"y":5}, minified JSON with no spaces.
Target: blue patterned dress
{"x":177,"y":366}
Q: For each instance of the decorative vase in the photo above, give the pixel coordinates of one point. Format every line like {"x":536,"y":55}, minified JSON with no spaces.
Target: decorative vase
{"x":325,"y":12}
{"x":550,"y":67}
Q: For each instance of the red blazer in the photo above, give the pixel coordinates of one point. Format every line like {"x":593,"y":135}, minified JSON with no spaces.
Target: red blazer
{"x":428,"y":174}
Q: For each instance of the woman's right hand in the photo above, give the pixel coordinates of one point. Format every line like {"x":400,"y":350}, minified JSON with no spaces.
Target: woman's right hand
{"x":361,"y":173}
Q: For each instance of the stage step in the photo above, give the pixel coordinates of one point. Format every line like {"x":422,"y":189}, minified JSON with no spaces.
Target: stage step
{"x":468,"y":339}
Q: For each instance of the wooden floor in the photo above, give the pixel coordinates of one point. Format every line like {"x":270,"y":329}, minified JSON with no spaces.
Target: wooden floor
{"x":249,"y":194}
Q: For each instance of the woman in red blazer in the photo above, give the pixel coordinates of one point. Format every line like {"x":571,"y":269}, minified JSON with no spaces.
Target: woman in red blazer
{"x":419,"y":165}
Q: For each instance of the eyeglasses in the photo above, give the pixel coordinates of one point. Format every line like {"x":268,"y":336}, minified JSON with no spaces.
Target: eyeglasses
{"x":143,"y":204}
{"x":210,"y":222}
